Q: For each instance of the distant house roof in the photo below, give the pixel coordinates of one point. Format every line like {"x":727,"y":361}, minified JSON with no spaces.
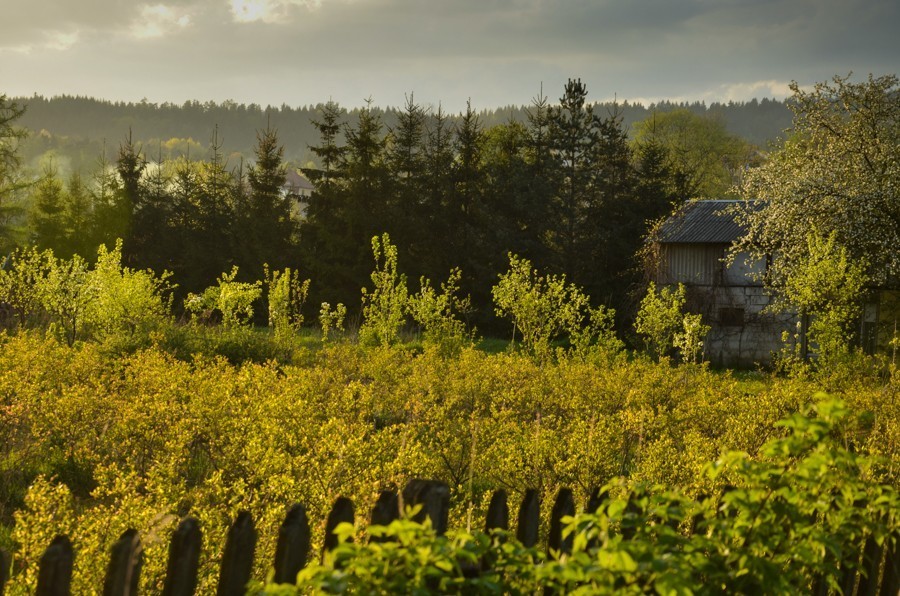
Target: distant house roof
{"x":702,"y":222}
{"x":296,"y":182}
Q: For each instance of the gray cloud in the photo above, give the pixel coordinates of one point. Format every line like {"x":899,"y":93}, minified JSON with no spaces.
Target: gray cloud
{"x":495,"y":51}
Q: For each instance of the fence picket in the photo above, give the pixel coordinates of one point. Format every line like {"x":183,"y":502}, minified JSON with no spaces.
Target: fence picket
{"x":55,"y":570}
{"x":497,"y":513}
{"x":529,"y":519}
{"x":124,"y":569}
{"x":563,"y":506}
{"x":386,"y":510}
{"x":4,"y":570}
{"x":237,"y":559}
{"x":293,"y":546}
{"x":341,"y":512}
{"x":434,"y":497}
{"x":890,"y":583}
{"x":184,"y":559}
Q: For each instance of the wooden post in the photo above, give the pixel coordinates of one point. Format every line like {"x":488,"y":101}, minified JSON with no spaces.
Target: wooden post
{"x":4,"y":570}
{"x":529,"y":519}
{"x":598,"y":497}
{"x":563,"y":506}
{"x":630,"y":518}
{"x":55,"y":570}
{"x":386,"y":510}
{"x":871,"y":566}
{"x":434,"y":497}
{"x":341,"y":512}
{"x":890,"y":582}
{"x":124,"y":569}
{"x":237,"y":560}
{"x":293,"y":546}
{"x":184,"y":559}
{"x":498,"y":512}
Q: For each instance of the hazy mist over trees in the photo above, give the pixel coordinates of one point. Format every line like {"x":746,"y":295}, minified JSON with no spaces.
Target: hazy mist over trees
{"x":75,"y":128}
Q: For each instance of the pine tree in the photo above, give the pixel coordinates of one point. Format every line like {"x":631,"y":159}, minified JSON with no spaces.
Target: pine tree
{"x":47,"y":224}
{"x":267,"y":230}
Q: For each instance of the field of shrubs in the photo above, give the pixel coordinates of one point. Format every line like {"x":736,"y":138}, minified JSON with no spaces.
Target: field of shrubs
{"x":136,"y":423}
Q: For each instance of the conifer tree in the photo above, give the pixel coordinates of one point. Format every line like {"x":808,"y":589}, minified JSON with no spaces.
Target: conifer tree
{"x":267,"y":232}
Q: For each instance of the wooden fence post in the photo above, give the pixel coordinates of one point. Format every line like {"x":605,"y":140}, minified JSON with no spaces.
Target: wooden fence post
{"x":341,"y":512}
{"x":434,"y":497}
{"x":55,"y":571}
{"x":597,"y":498}
{"x":4,"y":570}
{"x":184,"y":559}
{"x":124,"y":569}
{"x":529,"y":519}
{"x":563,"y":506}
{"x":293,"y":546}
{"x":630,"y":517}
{"x":498,"y":512}
{"x":871,"y":566}
{"x":237,"y":559}
{"x":890,"y":581}
{"x":386,"y":510}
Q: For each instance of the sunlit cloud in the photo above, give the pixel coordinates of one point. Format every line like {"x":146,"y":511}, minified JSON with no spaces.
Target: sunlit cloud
{"x":249,"y":11}
{"x":745,"y":91}
{"x":268,"y":11}
{"x":59,"y":41}
{"x":62,"y":41}
{"x":158,"y":20}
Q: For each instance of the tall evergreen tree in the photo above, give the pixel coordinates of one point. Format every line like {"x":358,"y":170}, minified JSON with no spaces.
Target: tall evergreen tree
{"x":406,"y":163}
{"x":267,"y":228}
{"x":437,"y":183}
{"x":320,"y":228}
{"x":78,"y":219}
{"x":47,"y":213}
{"x":10,"y":178}
{"x":130,"y":166}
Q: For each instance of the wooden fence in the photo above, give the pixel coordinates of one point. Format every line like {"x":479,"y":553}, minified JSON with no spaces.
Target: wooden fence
{"x":875,"y":569}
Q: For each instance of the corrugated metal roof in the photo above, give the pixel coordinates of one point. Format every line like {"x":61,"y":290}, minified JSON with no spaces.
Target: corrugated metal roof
{"x":702,"y":222}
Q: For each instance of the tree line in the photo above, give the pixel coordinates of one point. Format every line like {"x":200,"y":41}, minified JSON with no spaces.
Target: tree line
{"x":71,"y":123}
{"x":566,"y":189}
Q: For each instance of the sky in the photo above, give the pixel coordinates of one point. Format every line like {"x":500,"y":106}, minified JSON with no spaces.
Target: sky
{"x":492,"y":52}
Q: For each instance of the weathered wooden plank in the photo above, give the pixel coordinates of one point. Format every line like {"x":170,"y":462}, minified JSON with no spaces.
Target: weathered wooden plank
{"x":237,"y":559}
{"x":184,"y":559}
{"x":55,"y":569}
{"x":124,"y":570}
{"x":292,"y":550}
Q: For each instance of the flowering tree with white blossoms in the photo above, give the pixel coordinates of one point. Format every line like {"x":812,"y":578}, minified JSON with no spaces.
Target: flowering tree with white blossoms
{"x":838,"y":173}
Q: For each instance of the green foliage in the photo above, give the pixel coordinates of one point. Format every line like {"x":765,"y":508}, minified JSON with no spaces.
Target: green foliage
{"x":286,"y":295}
{"x":123,"y":300}
{"x":331,"y":321}
{"x":66,"y":296}
{"x":233,"y":299}
{"x":702,"y":159}
{"x":660,"y":317}
{"x":143,"y":438}
{"x":836,"y":173}
{"x":689,"y":342}
{"x":545,"y":309}
{"x":436,"y":314}
{"x":20,"y":276}
{"x":385,"y":306}
{"x":826,"y":286}
{"x":786,"y":522}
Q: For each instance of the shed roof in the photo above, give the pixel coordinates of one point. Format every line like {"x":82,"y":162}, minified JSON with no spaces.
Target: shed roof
{"x":702,"y":222}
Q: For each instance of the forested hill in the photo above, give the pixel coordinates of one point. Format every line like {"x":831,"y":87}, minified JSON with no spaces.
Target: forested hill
{"x":75,"y":128}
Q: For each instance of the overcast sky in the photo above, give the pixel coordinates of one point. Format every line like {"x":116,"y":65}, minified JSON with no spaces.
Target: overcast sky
{"x":496,"y":52}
